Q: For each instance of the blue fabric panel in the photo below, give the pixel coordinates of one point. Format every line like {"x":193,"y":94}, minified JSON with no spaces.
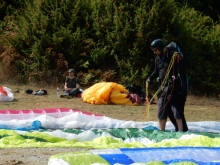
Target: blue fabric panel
{"x":117,"y":158}
{"x":190,"y":160}
{"x":200,"y":154}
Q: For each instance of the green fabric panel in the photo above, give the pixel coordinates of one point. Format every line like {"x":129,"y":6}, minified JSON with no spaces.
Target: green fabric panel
{"x":104,"y":142}
{"x":74,"y":131}
{"x":156,"y":135}
{"x":4,"y":132}
{"x":44,"y":136}
{"x":125,"y":133}
{"x":101,"y":142}
{"x":209,"y":134}
{"x":197,"y":141}
{"x":10,"y":138}
{"x":85,"y":158}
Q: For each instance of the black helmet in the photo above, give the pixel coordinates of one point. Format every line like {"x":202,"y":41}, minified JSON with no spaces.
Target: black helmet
{"x":158,"y":43}
{"x":71,"y":70}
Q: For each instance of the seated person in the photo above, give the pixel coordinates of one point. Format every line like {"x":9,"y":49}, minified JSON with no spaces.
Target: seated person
{"x":72,"y":84}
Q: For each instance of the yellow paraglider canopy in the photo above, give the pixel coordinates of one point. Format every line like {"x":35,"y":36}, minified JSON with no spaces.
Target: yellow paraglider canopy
{"x":107,"y":93}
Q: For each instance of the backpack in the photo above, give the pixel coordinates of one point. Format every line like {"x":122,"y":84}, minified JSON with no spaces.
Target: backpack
{"x":135,"y":89}
{"x":173,"y":46}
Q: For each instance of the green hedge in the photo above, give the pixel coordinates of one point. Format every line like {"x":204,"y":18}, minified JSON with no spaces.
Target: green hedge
{"x":109,"y":40}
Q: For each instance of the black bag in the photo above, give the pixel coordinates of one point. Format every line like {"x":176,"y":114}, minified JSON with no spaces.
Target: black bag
{"x":40,"y":92}
{"x":28,"y":91}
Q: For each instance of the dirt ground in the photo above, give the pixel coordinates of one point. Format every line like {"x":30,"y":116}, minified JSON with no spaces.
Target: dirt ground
{"x":31,"y":156}
{"x":197,"y":109}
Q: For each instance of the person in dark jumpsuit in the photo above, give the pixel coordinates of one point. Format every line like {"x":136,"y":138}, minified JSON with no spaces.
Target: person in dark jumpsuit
{"x":173,"y":93}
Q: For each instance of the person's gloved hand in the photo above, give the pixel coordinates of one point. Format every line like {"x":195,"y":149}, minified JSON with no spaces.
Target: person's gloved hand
{"x":148,"y":80}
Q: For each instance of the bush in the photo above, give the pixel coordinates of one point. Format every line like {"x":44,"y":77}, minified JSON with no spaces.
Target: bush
{"x":112,"y":36}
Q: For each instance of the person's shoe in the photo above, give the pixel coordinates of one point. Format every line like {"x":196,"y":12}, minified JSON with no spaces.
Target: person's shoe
{"x":66,"y":96}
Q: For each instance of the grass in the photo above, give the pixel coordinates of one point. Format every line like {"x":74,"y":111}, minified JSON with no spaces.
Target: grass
{"x":196,"y":109}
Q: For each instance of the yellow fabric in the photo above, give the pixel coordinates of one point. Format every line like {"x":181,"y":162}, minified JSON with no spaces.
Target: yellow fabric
{"x":105,"y":93}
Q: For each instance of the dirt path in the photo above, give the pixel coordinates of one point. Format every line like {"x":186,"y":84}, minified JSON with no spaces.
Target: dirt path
{"x":30,"y":156}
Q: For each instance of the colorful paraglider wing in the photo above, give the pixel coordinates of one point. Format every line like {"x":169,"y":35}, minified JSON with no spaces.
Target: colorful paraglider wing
{"x":115,"y":141}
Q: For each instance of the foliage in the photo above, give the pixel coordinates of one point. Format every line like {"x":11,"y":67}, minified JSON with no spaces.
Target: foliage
{"x":95,"y":76}
{"x":108,"y":40}
{"x":207,"y":7}
{"x":52,"y":25}
{"x":199,"y":40}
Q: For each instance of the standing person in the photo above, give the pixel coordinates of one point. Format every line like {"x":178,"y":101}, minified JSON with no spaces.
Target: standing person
{"x":184,"y":85}
{"x":72,"y":84}
{"x":172,"y":82}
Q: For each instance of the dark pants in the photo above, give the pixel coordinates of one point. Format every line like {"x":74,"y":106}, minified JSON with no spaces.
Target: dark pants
{"x":177,"y":102}
{"x":74,"y":93}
